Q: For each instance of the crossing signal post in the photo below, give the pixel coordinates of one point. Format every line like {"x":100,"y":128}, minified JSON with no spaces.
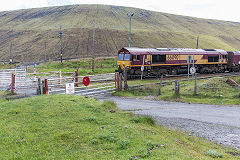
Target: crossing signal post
{"x":61,"y":48}
{"x":130,"y":23}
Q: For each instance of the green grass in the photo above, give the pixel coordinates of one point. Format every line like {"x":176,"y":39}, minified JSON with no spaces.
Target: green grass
{"x":101,"y":65}
{"x":7,"y":66}
{"x":209,"y":91}
{"x":75,"y":127}
{"x":3,"y":94}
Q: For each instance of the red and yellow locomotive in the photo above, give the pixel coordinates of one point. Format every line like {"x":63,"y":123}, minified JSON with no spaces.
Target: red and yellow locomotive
{"x":156,"y":61}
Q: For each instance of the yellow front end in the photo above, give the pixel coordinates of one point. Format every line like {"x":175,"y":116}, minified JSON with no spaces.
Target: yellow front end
{"x":122,"y":64}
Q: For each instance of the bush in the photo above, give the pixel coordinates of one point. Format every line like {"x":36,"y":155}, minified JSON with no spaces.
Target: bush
{"x":123,"y":144}
{"x":108,"y":138}
{"x":108,"y":105}
{"x":213,"y":154}
{"x":143,"y":119}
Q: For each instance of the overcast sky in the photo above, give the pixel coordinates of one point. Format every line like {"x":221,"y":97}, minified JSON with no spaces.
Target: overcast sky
{"x":214,"y":9}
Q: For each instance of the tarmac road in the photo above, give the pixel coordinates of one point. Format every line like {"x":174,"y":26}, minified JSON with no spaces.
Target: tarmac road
{"x":217,"y":123}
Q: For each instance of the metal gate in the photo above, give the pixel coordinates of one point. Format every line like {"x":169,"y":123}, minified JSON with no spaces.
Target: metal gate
{"x":28,"y":83}
{"x":24,"y":84}
{"x":99,"y":84}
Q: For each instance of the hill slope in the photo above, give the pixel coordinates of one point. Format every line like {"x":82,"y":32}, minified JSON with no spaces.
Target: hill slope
{"x":24,"y":33}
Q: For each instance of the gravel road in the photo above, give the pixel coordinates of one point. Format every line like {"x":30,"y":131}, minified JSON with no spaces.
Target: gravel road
{"x":220,"y":124}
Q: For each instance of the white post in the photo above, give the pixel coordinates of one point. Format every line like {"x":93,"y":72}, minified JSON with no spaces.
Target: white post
{"x":188,"y":61}
{"x":60,"y":77}
{"x":193,"y":66}
{"x":142,"y":68}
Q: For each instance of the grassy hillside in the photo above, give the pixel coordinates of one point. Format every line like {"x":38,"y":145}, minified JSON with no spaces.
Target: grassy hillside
{"x":74,"y":127}
{"x":29,"y":30}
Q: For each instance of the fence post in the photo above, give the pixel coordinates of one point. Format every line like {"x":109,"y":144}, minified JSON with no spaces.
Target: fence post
{"x":120,"y":80}
{"x":43,"y":87}
{"x":39,"y":91}
{"x":35,"y":74}
{"x":46,"y":87}
{"x":115,"y":79}
{"x":13,"y":83}
{"x":60,"y":77}
{"x":160,"y":85}
{"x":177,"y":87}
{"x":195,"y":85}
{"x":125,"y":79}
{"x":76,"y":77}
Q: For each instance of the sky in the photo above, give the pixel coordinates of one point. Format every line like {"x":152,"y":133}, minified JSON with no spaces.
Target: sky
{"x":227,"y":10}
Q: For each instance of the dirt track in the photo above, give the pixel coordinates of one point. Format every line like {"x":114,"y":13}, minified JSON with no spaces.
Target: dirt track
{"x":220,"y":124}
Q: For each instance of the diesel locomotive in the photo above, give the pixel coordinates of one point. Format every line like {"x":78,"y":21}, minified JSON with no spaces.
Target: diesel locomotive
{"x":157,"y":61}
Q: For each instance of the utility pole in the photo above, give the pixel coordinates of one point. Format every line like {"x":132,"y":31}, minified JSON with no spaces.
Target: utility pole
{"x":61,"y":48}
{"x":197,"y":41}
{"x":45,"y":51}
{"x":130,"y":21}
{"x":10,"y":54}
{"x":93,"y":46}
{"x":197,"y":48}
{"x":193,"y":56}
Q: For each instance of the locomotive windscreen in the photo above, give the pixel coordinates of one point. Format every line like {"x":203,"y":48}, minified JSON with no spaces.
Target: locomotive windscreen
{"x":127,"y":57}
{"x":120,"y":57}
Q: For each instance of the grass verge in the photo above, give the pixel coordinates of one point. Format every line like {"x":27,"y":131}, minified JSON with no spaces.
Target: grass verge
{"x":74,"y":127}
{"x":3,"y":95}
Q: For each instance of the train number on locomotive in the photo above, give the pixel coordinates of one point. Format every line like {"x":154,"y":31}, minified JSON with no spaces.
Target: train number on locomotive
{"x":172,"y":57}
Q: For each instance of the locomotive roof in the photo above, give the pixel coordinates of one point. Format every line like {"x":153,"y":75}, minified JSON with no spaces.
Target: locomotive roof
{"x":236,"y":52}
{"x":135,"y":50}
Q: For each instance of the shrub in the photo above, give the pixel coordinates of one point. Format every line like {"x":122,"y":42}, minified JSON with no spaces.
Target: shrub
{"x":143,"y":119}
{"x":108,"y":138}
{"x":123,"y":144}
{"x":108,"y":105}
{"x":213,"y":154}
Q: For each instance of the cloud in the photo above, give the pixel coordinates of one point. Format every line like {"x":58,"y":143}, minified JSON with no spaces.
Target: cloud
{"x":59,"y":2}
{"x":23,"y":4}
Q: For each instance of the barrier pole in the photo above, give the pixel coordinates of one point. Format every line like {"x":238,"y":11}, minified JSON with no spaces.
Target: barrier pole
{"x":13,"y":83}
{"x":195,"y":85}
{"x":118,"y":88}
{"x":76,"y":75}
{"x":176,"y":87}
{"x":115,"y":79}
{"x":39,"y":90}
{"x":43,"y":87}
{"x":125,"y":79}
{"x":160,"y":85}
{"x":46,"y":86}
{"x":60,"y":77}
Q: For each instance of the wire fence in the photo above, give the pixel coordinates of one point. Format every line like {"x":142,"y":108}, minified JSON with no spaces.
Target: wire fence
{"x":216,"y":85}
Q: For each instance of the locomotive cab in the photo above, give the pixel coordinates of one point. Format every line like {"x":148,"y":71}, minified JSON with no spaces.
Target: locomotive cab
{"x":123,"y":61}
